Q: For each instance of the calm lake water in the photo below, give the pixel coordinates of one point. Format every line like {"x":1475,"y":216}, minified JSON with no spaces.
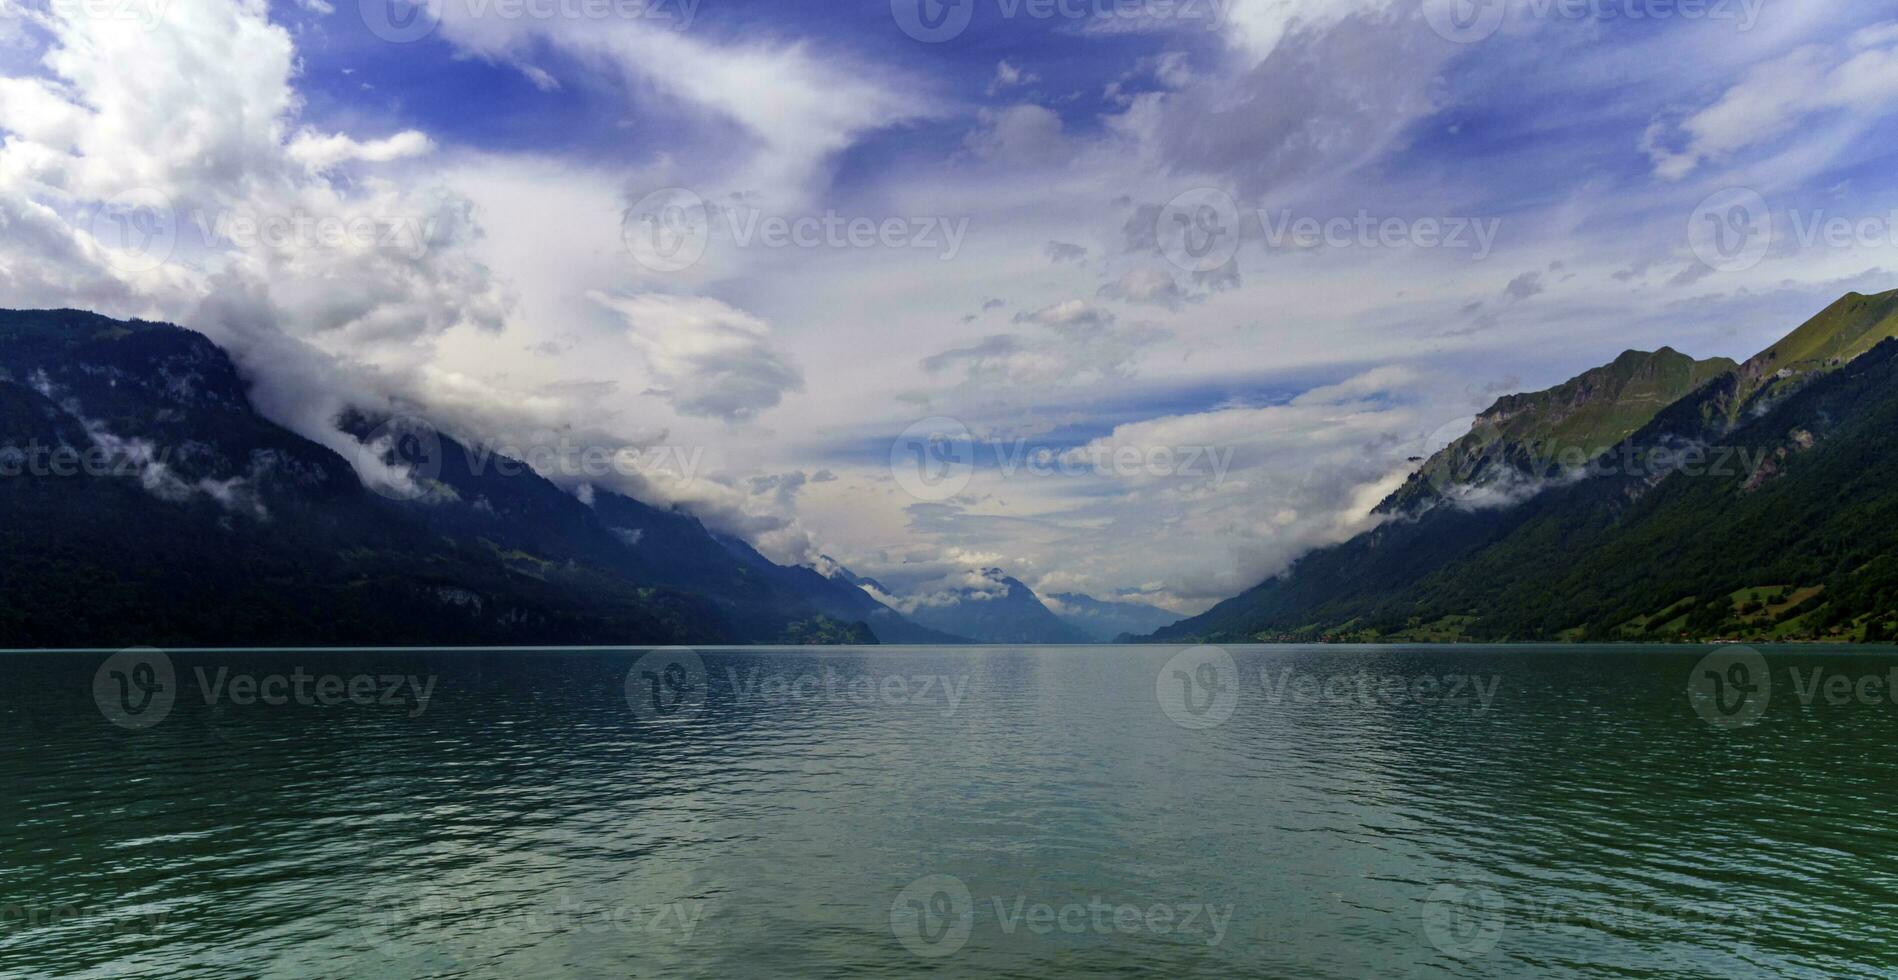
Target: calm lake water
{"x":1271,"y":811}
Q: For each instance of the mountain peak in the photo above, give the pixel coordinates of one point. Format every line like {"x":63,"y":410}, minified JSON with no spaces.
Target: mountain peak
{"x":1852,"y":325}
{"x":1533,"y":435}
{"x":1012,"y":614}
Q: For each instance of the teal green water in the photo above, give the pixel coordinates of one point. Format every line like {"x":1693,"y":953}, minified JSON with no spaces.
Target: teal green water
{"x":1287,"y":812}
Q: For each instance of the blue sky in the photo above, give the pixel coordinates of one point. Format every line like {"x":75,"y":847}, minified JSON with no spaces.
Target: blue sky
{"x":1486,"y":210}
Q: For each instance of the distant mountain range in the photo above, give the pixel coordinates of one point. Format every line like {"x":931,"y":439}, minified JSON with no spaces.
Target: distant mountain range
{"x":1108,"y":620}
{"x":1001,"y":610}
{"x":1656,"y":497}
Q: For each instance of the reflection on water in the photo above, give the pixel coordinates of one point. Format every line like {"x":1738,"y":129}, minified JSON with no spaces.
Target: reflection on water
{"x":1273,"y":811}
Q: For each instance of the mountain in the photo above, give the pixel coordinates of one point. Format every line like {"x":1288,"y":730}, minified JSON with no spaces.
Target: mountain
{"x":1532,"y":437}
{"x":1006,"y":611}
{"x":1105,"y":620}
{"x":1840,"y":333}
{"x":148,"y":502}
{"x":836,"y":596}
{"x":1725,"y":515}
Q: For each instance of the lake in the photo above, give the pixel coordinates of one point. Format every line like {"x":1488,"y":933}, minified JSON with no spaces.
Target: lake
{"x":866,"y":812}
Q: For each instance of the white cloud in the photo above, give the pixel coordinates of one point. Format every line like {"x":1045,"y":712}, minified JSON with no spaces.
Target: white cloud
{"x":1075,"y":343}
{"x":322,"y":152}
{"x":1859,"y":77}
{"x":1020,"y":134}
{"x":797,"y":105}
{"x":1258,"y":26}
{"x":1146,"y":285}
{"x":1009,"y":76}
{"x":712,"y":360}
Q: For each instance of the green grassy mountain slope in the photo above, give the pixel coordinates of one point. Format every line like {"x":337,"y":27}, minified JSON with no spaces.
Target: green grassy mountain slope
{"x":1536,"y":435}
{"x":1667,"y":555}
{"x":1850,"y":327}
{"x":1724,"y":515}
